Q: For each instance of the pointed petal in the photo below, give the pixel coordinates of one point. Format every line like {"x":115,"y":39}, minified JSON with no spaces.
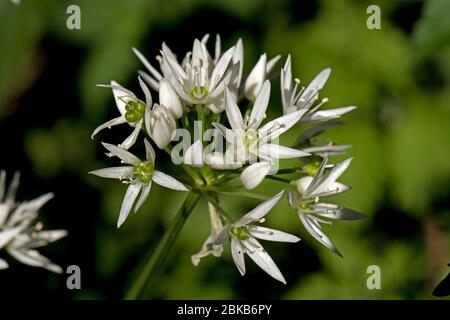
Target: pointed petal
{"x":271,"y":63}
{"x":275,"y":128}
{"x":220,"y":68}
{"x":148,"y":96}
{"x":121,"y":96}
{"x":149,"y":151}
{"x":143,"y":197}
{"x":35,"y":259}
{"x":254,"y":174}
{"x":124,"y":155}
{"x":316,"y":85}
{"x":12,"y":189}
{"x":109,"y":124}
{"x":8,"y":234}
{"x":228,"y":134}
{"x":256,"y":78}
{"x":169,"y":99}
{"x":275,"y":151}
{"x":131,"y":139}
{"x":333,"y":211}
{"x":331,"y":177}
{"x":114,"y":172}
{"x":167,"y":181}
{"x":329,"y":114}
{"x":128,"y":201}
{"x":272,"y":234}
{"x":176,"y":68}
{"x":152,"y":82}
{"x":237,"y":253}
{"x":262,"y":259}
{"x":315,"y":230}
{"x":3,"y":264}
{"x":147,"y":64}
{"x":259,"y":108}
{"x":260,"y":211}
{"x":234,"y":115}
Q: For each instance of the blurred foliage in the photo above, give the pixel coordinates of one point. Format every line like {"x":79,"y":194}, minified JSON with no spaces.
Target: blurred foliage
{"x":398,"y":76}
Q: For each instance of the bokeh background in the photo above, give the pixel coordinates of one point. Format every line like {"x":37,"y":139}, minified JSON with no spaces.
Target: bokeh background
{"x":399,"y":77}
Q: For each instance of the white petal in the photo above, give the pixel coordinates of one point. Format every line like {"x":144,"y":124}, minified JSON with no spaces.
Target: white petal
{"x":124,"y":155}
{"x":12,"y":189}
{"x":143,"y":197}
{"x":217,"y":49}
{"x":286,"y":85}
{"x":148,"y":96}
{"x":128,"y":201}
{"x":262,"y":259}
{"x":35,"y":259}
{"x":194,"y":154}
{"x":8,"y":234}
{"x":233,"y":113}
{"x":152,"y":82}
{"x":169,"y":99}
{"x":271,"y":63}
{"x":149,"y":152}
{"x":256,"y":78}
{"x":220,"y":68}
{"x":3,"y":264}
{"x":314,"y":229}
{"x":259,"y":108}
{"x":275,"y":151}
{"x":237,"y":252}
{"x":121,"y":96}
{"x":325,"y":184}
{"x":275,"y":128}
{"x":147,"y":64}
{"x":333,"y":211}
{"x":303,"y":184}
{"x":315,"y":86}
{"x":176,"y":68}
{"x":131,"y":139}
{"x":114,"y":172}
{"x":260,"y":211}
{"x":228,"y":134}
{"x":329,"y":114}
{"x":272,"y":234}
{"x":333,"y":189}
{"x":254,"y":174}
{"x":109,"y":124}
{"x":167,"y":181}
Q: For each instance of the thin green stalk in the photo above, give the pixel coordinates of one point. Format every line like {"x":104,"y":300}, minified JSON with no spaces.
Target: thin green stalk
{"x":158,"y":257}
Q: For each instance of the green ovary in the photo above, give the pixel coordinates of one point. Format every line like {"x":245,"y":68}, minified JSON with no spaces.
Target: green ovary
{"x":199,"y":92}
{"x":143,"y":171}
{"x":240,"y":232}
{"x":135,"y":110}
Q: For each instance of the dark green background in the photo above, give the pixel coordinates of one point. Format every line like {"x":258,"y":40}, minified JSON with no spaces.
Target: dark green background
{"x":399,"y":77}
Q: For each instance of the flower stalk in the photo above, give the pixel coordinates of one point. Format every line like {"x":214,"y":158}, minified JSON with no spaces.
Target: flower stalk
{"x":163,"y":249}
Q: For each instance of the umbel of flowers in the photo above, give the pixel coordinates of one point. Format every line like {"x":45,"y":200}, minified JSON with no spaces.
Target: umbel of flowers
{"x":213,"y":122}
{"x":20,"y":235}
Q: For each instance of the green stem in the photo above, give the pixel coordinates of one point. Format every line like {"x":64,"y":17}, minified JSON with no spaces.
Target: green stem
{"x":158,"y":257}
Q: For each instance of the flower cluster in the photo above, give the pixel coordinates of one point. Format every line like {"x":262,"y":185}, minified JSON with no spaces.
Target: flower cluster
{"x":234,"y":147}
{"x":20,"y":236}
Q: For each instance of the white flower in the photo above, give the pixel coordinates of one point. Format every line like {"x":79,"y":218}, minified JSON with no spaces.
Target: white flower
{"x":244,"y":234}
{"x":199,"y":79}
{"x":258,"y":76}
{"x":249,"y":142}
{"x":309,"y":208}
{"x":132,"y":111}
{"x":160,"y":125}
{"x":139,"y":175}
{"x":20,"y":236}
{"x":306,"y":97}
